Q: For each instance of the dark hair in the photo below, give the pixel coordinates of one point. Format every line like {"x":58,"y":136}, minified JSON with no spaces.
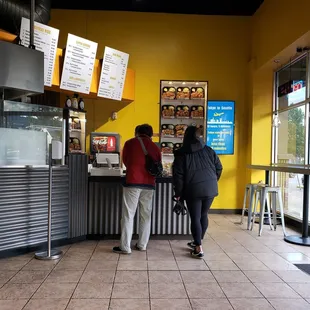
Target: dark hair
{"x":145,"y":129}
{"x":190,"y":136}
{"x":137,"y":130}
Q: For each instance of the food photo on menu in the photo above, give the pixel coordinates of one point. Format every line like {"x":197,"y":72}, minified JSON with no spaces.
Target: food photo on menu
{"x":168,"y":93}
{"x":183,"y":93}
{"x":167,"y":130}
{"x":197,"y":93}
{"x":197,"y":111}
{"x":182,"y":111}
{"x":180,"y":130}
{"x":167,"y":147}
{"x":168,"y":111}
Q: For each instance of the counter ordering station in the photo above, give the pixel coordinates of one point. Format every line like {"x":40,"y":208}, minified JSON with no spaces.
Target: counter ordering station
{"x":87,"y":191}
{"x":107,"y":175}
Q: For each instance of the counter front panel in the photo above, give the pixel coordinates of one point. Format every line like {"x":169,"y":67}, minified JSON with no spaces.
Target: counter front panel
{"x":23,"y":206}
{"x":105,"y":209}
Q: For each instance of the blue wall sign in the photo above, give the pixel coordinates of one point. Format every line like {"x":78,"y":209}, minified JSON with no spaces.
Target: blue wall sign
{"x":221,"y":126}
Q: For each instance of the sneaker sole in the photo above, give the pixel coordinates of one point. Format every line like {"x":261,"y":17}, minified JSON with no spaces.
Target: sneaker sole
{"x":198,"y":257}
{"x":138,"y":249}
{"x":117,"y":252}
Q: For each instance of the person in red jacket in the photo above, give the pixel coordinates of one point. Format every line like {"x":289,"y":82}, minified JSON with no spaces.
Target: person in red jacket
{"x":138,"y":189}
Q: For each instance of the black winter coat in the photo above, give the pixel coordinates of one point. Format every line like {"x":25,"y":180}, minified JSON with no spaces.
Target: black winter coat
{"x":196,"y":171}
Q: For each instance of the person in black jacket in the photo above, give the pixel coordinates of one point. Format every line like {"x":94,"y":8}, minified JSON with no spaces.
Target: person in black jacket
{"x":196,"y":171}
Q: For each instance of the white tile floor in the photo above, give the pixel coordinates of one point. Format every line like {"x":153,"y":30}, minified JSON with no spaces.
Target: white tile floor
{"x":240,"y":271}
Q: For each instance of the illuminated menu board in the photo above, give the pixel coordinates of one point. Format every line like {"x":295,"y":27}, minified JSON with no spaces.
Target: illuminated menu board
{"x":221,"y":126}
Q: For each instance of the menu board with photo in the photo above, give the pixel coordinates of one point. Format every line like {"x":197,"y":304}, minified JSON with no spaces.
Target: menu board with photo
{"x":45,"y":40}
{"x":113,"y":74}
{"x":78,"y":65}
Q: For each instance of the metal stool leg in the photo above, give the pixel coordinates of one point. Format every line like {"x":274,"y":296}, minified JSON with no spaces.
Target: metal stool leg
{"x":268,"y":210}
{"x":274,"y":209}
{"x":250,"y":208}
{"x":262,"y":211}
{"x":254,"y":211}
{"x":281,"y":212}
{"x":244,"y":203}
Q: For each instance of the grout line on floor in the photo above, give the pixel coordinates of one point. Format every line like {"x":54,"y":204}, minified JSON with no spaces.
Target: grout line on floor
{"x":44,"y":278}
{"x":116,"y":269}
{"x":148,"y":279}
{"x":189,"y":300}
{"x":81,"y":277}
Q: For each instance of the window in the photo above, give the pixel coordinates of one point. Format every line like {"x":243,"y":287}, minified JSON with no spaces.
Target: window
{"x":291,"y":84}
{"x":291,"y":123}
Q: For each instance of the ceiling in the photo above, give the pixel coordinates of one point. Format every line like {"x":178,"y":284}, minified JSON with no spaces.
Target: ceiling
{"x":201,"y":7}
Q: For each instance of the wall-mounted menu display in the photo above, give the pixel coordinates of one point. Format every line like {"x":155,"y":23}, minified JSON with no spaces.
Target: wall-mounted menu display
{"x":113,"y":74}
{"x":182,"y":104}
{"x":221,"y":126}
{"x":45,"y":40}
{"x":78,"y":65}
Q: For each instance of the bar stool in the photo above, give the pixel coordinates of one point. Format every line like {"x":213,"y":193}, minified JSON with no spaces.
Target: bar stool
{"x":267,"y":194}
{"x":250,"y":190}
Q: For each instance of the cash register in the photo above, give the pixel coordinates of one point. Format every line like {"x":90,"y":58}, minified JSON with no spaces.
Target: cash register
{"x":106,"y":165}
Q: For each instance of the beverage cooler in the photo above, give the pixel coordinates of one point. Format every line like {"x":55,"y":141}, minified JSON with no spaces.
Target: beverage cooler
{"x":75,"y":121}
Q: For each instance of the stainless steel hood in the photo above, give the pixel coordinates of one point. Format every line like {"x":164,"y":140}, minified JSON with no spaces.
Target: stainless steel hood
{"x":21,"y":71}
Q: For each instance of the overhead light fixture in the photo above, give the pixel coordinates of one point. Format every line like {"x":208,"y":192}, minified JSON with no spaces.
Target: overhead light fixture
{"x":183,"y":83}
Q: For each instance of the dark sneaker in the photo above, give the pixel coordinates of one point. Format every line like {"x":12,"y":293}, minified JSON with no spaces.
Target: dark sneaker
{"x":198,"y":255}
{"x":138,"y":248}
{"x":191,"y":245}
{"x":118,"y":250}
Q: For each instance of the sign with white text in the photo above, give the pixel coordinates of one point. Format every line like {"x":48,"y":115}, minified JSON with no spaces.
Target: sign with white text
{"x":113,"y":74}
{"x":221,"y":126}
{"x":45,"y":40}
{"x":79,"y":64}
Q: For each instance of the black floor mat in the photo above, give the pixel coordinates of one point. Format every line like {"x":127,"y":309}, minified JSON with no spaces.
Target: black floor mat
{"x":304,"y":267}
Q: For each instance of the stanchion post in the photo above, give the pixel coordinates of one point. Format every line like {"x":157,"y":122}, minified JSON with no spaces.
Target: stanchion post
{"x":49,"y":254}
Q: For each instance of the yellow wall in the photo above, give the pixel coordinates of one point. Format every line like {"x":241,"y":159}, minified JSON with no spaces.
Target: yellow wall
{"x":278,"y":28}
{"x":173,"y":47}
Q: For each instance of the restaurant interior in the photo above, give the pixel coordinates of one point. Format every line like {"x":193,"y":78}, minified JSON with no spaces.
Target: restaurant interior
{"x":76,"y":80}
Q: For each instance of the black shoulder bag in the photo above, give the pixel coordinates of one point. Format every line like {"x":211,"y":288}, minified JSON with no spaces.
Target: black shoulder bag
{"x":154,"y":168}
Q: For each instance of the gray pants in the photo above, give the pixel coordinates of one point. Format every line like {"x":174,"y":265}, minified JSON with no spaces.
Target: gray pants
{"x":132,"y":197}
